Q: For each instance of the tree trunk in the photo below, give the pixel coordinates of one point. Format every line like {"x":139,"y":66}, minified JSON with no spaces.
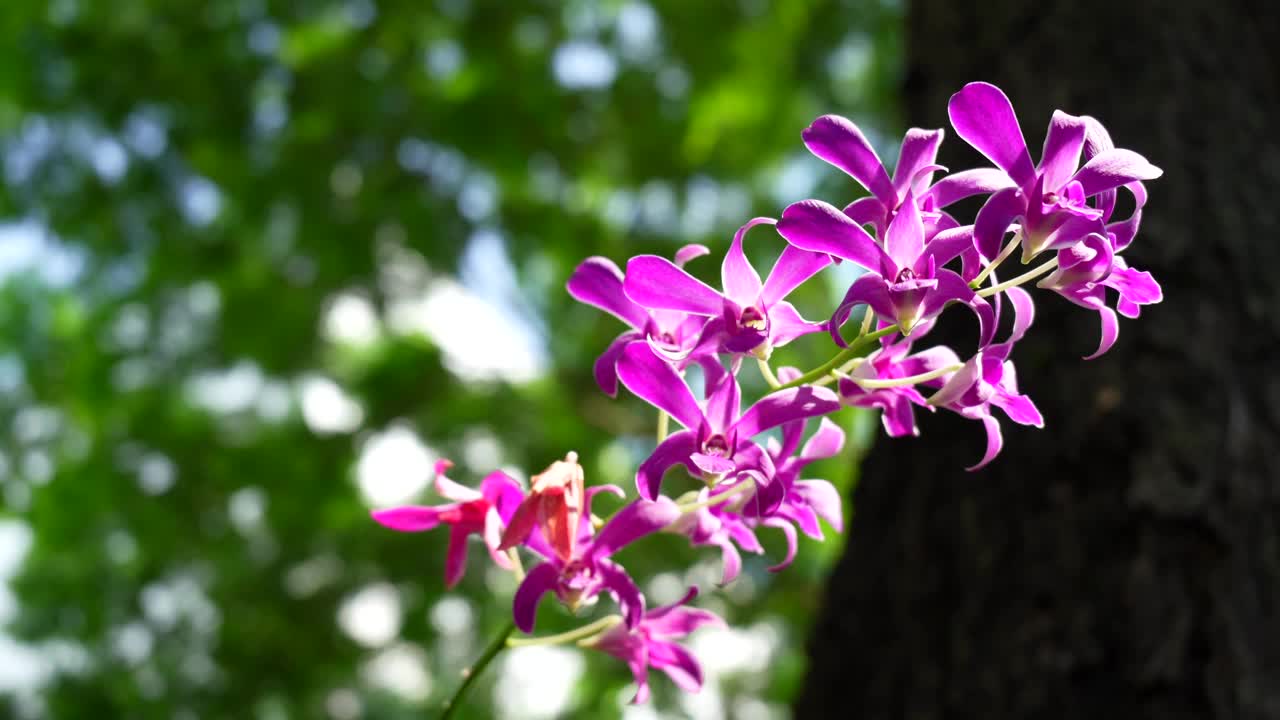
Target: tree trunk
{"x":1125,"y":561}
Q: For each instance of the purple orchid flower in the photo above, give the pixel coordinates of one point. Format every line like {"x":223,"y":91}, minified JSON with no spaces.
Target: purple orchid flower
{"x":597,"y":281}
{"x":892,"y":361}
{"x":649,"y":644}
{"x":717,"y":438}
{"x":906,"y":283}
{"x":1084,"y":272}
{"x":806,"y":500}
{"x":988,"y":380}
{"x":581,"y":577}
{"x":839,"y":142}
{"x":1051,"y":199}
{"x":750,"y":316}
{"x":484,"y":512}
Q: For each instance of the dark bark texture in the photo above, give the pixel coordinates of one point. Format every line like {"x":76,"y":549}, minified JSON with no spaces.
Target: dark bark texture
{"x":1124,"y":562}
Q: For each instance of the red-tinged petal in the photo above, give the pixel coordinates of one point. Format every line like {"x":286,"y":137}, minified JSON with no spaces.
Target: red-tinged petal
{"x":967,"y":183}
{"x":493,"y":538}
{"x":455,"y":559}
{"x":784,"y":406}
{"x":994,"y":219}
{"x":919,"y":151}
{"x":598,"y":281}
{"x":982,"y":114}
{"x":538,"y":582}
{"x":995,"y":441}
{"x":740,"y":280}
{"x":522,"y":522}
{"x":631,"y":523}
{"x":818,"y":227}
{"x":789,"y":532}
{"x":1110,"y":331}
{"x":677,"y":448}
{"x":1062,"y":145}
{"x":410,"y":518}
{"x":1112,"y":168}
{"x":658,"y":284}
{"x":652,"y":379}
{"x":904,"y":241}
{"x":824,"y":499}
{"x":502,"y":492}
{"x":841,"y":143}
{"x":827,"y":441}
{"x":793,"y":267}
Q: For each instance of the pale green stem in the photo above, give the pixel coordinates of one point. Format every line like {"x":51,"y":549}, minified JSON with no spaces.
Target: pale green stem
{"x":1004,"y":255}
{"x":766,"y":372}
{"x":877,"y":383}
{"x":663,"y":420}
{"x":867,"y":317}
{"x":585,"y":631}
{"x":1020,"y":280}
{"x":840,"y":358}
{"x":717,"y":499}
{"x":470,"y":674}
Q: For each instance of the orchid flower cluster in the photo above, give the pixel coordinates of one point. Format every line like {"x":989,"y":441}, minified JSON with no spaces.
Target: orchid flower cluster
{"x":918,"y":260}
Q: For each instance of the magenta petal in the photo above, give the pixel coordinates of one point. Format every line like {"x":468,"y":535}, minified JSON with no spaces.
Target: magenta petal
{"x":503,"y":493}
{"x":982,"y":114}
{"x":793,"y":267}
{"x":677,"y":448}
{"x":869,"y":211}
{"x":455,"y":559}
{"x":492,"y":535}
{"x":634,"y":521}
{"x":1135,"y":286}
{"x":450,"y":489}
{"x":678,"y":663}
{"x":824,"y":499}
{"x":740,"y":280}
{"x":929,"y":360}
{"x":1020,"y":409}
{"x":1062,"y":145}
{"x":869,"y":289}
{"x":656,"y":283}
{"x":819,"y":227}
{"x":712,"y":464}
{"x":944,"y":247}
{"x":904,"y":241}
{"x":410,"y":518}
{"x":1113,"y":168}
{"x":993,"y":221}
{"x":994,"y":442}
{"x":724,"y":399}
{"x":789,"y":532}
{"x":605,"y":368}
{"x":678,"y":621}
{"x":730,"y":561}
{"x":841,"y":143}
{"x":827,"y":441}
{"x":1024,"y":312}
{"x":652,"y":379}
{"x":958,"y":186}
{"x":1110,"y":331}
{"x":690,"y":252}
{"x":919,"y":151}
{"x":597,"y":281}
{"x":953,"y":287}
{"x":785,"y":324}
{"x":786,"y":405}
{"x":538,"y":582}
{"x":959,"y":382}
{"x":630,"y":600}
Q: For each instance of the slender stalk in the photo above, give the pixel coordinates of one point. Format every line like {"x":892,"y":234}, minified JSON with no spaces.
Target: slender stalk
{"x":840,"y":358}
{"x":663,"y":421}
{"x":585,"y":631}
{"x":1004,"y":255}
{"x":1021,"y":279}
{"x":876,"y":383}
{"x":766,"y":372}
{"x":717,"y":499}
{"x":470,"y":674}
{"x":867,"y":317}
{"x":516,"y":565}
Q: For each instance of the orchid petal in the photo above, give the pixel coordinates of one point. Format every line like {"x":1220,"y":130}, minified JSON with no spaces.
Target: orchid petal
{"x":1136,"y":286}
{"x":630,"y":599}
{"x":919,"y":151}
{"x":1062,"y":145}
{"x":455,"y":558}
{"x":827,"y":441}
{"x":492,"y":536}
{"x":904,"y":241}
{"x":712,"y":464}
{"x":634,"y":521}
{"x":785,"y":324}
{"x":816,"y":226}
{"x":967,"y":183}
{"x":678,"y":663}
{"x":983,"y":116}
{"x":740,"y":280}
{"x":410,"y":518}
{"x":690,"y":252}
{"x":597,"y":281}
{"x":1020,"y":409}
{"x":678,"y":621}
{"x":867,"y":211}
{"x":793,"y":267}
{"x":1110,"y":331}
{"x":724,"y":399}
{"x":993,"y":220}
{"x":944,"y":247}
{"x":657,"y":283}
{"x":869,"y":289}
{"x":789,"y":532}
{"x":786,"y":405}
{"x":840,"y":142}
{"x":959,"y":382}
{"x":538,"y":582}
{"x":823,"y":497}
{"x":677,"y":448}
{"x":1113,"y":168}
{"x":450,"y":489}
{"x":652,"y":379}
{"x":994,"y":442}
{"x":952,"y":287}
{"x":605,"y":370}
{"x":503,"y":493}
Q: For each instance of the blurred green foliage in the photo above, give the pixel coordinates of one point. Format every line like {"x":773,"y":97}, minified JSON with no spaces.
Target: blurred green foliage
{"x":220,"y":228}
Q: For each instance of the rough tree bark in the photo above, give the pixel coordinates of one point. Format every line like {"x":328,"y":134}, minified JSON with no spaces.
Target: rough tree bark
{"x":1124,"y":561}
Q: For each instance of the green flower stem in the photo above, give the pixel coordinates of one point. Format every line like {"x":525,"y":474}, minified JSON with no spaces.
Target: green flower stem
{"x":470,"y":674}
{"x":876,"y":383}
{"x":663,"y":421}
{"x":584,"y":632}
{"x":766,"y":372}
{"x":1020,"y":280}
{"x":1004,"y":255}
{"x":841,"y":358}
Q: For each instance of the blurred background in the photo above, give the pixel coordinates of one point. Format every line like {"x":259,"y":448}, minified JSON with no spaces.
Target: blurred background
{"x":263,"y":262}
